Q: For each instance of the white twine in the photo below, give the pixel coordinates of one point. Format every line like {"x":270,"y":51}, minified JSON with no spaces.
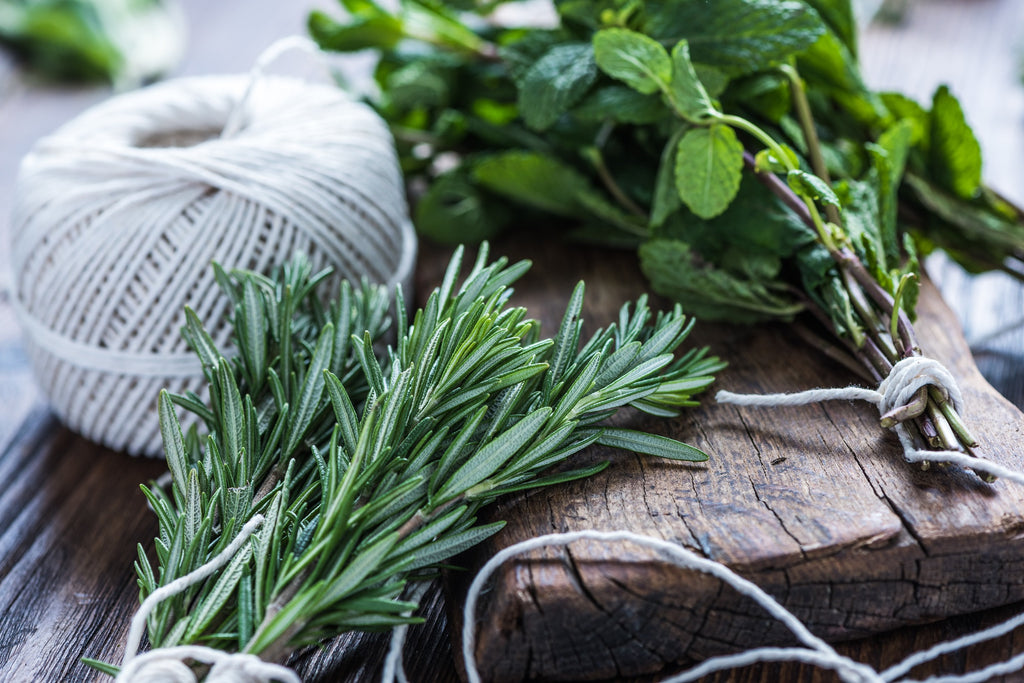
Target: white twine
{"x":393,"y":669}
{"x":815,"y":651}
{"x":906,"y":378}
{"x":166,"y":665}
{"x":120,"y":212}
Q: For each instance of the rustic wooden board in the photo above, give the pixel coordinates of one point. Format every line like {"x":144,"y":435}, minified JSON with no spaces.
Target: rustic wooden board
{"x":71,"y":514}
{"x":815,"y":504}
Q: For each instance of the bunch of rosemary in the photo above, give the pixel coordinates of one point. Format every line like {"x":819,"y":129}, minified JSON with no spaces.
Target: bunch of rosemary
{"x":369,"y":469}
{"x":732,"y":143}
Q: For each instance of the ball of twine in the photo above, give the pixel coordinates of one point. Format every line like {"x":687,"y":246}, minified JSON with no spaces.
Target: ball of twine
{"x":120,"y":213}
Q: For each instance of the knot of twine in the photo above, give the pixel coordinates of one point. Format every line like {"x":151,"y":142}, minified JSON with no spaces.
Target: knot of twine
{"x":904,"y":380}
{"x":896,"y":390}
{"x":120,"y":212}
{"x":166,"y":665}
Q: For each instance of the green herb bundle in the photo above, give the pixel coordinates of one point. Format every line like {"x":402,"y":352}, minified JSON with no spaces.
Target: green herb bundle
{"x":369,"y":469}
{"x":94,"y":40}
{"x":732,"y":143}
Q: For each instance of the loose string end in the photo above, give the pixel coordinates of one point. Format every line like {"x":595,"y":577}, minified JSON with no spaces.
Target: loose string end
{"x":277,"y":49}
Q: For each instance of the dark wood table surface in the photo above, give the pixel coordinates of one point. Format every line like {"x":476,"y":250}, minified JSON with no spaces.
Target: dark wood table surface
{"x":68,"y":528}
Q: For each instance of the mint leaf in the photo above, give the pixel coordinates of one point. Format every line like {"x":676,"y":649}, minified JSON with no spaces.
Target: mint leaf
{"x":766,"y":161}
{"x":379,"y":31}
{"x":976,"y":237}
{"x":900,"y":106}
{"x":709,"y":165}
{"x":768,"y":94}
{"x":912,"y":291}
{"x":838,"y":16}
{"x":666,"y":196}
{"x":556,"y":82}
{"x":633,"y":58}
{"x":707,"y":292}
{"x":889,"y":157}
{"x":621,"y":104}
{"x":686,"y":93}
{"x":897,"y":141}
{"x":533,"y":179}
{"x":812,"y":187}
{"x":417,"y":85}
{"x":862,"y":219}
{"x":595,"y":204}
{"x":829,"y":68}
{"x":756,"y":223}
{"x":736,"y":36}
{"x":453,"y":211}
{"x":954,"y":152}
{"x":714,"y":81}
{"x":522,"y":50}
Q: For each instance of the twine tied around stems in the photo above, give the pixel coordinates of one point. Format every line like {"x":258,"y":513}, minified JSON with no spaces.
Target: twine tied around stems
{"x":167,"y":665}
{"x":897,"y":389}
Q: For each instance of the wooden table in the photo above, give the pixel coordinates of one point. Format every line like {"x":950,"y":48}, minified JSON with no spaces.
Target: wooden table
{"x":70,"y":512}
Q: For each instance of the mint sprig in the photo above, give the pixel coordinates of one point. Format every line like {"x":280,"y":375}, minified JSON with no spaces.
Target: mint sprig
{"x":733,"y":144}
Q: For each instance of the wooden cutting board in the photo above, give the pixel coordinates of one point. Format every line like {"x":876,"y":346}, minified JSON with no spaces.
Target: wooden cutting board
{"x":815,"y":504}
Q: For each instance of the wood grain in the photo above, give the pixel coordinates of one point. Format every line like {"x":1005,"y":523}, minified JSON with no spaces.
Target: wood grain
{"x":813,"y":503}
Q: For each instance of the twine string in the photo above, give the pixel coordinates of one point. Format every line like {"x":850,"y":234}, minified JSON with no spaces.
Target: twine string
{"x":393,"y":669}
{"x":277,"y":49}
{"x":166,"y":665}
{"x":815,"y":651}
{"x":906,"y":378}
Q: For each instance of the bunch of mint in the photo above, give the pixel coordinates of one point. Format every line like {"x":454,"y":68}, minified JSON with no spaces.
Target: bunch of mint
{"x":732,"y":143}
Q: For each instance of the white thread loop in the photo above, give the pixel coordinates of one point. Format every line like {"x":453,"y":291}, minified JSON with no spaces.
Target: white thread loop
{"x":911,"y":374}
{"x":166,"y":665}
{"x":815,"y":652}
{"x":393,"y":670}
{"x":237,"y":117}
{"x":818,"y":651}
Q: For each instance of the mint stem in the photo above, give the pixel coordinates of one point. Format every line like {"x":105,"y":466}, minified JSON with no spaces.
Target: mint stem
{"x":936,"y":427}
{"x":803,"y":112}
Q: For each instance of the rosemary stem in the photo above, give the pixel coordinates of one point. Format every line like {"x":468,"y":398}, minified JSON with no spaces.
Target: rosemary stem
{"x":273,"y":478}
{"x":279,"y":650}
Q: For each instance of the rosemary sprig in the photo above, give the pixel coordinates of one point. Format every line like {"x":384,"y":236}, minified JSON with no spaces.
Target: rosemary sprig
{"x":370,"y":468}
